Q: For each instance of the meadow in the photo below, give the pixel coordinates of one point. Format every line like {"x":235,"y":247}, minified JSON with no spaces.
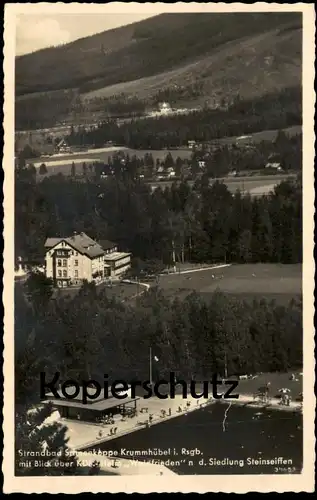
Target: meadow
{"x":57,"y":164}
{"x":246,"y":281}
{"x":264,"y":135}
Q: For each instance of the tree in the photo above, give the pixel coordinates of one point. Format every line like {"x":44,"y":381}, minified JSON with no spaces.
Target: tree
{"x":169,"y":161}
{"x":73,"y":170}
{"x":42,"y":169}
{"x":33,"y":436}
{"x":45,"y":445}
{"x":178,"y":166}
{"x":39,"y":290}
{"x":244,"y":246}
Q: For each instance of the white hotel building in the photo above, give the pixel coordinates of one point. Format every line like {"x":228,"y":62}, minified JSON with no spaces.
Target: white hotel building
{"x":69,"y":261}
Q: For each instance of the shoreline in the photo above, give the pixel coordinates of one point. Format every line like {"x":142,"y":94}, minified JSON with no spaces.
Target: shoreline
{"x":121,"y":466}
{"x":248,"y":401}
{"x":245,"y":400}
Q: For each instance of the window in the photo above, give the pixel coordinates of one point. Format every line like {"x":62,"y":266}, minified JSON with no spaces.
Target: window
{"x":76,"y":262}
{"x":76,"y":274}
{"x":59,"y":274}
{"x":65,"y":273}
{"x":59,"y":263}
{"x":64,"y":262}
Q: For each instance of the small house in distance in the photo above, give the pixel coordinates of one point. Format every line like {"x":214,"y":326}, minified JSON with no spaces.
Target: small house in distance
{"x":62,"y":147}
{"x":274,"y":166}
{"x":69,"y":261}
{"x":165,"y":108}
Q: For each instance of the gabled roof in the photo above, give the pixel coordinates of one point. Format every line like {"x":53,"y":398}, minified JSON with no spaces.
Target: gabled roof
{"x":106,"y":244}
{"x":52,"y":242}
{"x":62,"y":142}
{"x":82,"y":243}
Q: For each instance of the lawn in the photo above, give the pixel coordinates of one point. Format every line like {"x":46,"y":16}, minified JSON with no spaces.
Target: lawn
{"x":248,"y":281}
{"x":277,"y":381}
{"x":255,"y":185}
{"x":265,"y":135}
{"x":63,"y":163}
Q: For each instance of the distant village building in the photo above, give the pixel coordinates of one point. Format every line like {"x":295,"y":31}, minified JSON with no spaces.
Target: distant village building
{"x":165,"y":173}
{"x":62,"y":147}
{"x":191,"y":144}
{"x":170,"y":172}
{"x":165,"y":108}
{"x":233,"y":173}
{"x":70,"y":261}
{"x":275,"y":166}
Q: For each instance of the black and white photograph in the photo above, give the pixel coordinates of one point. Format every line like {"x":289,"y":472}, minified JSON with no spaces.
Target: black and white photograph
{"x":158,"y":234}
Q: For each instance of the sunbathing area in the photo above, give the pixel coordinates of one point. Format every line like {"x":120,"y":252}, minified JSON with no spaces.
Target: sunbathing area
{"x":276,"y":391}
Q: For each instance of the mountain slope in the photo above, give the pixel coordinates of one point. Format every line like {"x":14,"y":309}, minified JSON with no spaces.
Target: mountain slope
{"x":141,"y":49}
{"x":250,"y":66}
{"x":187,"y":59}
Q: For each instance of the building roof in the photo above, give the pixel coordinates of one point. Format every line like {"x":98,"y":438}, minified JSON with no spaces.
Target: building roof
{"x":116,"y":256}
{"x":106,"y":244}
{"x":80,"y":242}
{"x":62,"y":142}
{"x":99,"y":405}
{"x":90,"y":391}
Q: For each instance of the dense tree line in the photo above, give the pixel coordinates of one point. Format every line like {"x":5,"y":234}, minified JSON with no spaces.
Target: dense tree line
{"x":203,"y":223}
{"x":274,"y":111}
{"x":43,"y":110}
{"x":33,"y":430}
{"x":117,"y":105}
{"x":90,"y":334}
{"x":176,"y":93}
{"x":285,"y":151}
{"x":94,"y":334}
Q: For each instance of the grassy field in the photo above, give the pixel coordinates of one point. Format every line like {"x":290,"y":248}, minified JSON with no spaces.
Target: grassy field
{"x":255,"y":185}
{"x":247,"y":281}
{"x":63,"y":163}
{"x":277,"y":381}
{"x":264,"y":135}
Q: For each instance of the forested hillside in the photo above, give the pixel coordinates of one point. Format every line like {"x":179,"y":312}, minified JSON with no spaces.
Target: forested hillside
{"x":142,"y":49}
{"x":203,"y":223}
{"x":188,"y":59}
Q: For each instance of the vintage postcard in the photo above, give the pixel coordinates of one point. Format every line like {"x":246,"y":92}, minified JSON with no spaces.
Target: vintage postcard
{"x":158,"y":247}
